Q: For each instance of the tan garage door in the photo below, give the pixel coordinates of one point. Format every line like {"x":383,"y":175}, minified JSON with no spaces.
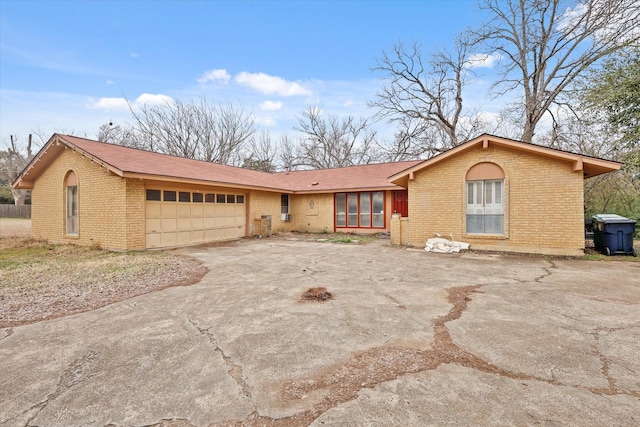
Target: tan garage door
{"x":179,"y":218}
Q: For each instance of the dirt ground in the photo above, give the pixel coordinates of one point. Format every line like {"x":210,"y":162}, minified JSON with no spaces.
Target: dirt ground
{"x":14,"y":227}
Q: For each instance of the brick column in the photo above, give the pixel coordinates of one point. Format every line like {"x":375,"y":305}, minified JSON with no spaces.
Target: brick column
{"x":395,"y":229}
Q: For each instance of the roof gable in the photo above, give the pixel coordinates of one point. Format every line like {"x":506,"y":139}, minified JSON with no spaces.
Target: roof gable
{"x":590,"y":166}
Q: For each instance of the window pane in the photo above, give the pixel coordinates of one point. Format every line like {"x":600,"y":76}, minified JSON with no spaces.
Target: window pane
{"x":72,"y":209}
{"x":153,"y":195}
{"x":220,"y":198}
{"x":240,"y":198}
{"x":231,"y":198}
{"x":488,"y":193}
{"x":209,"y":198}
{"x":498,"y":192}
{"x":197,"y":197}
{"x":479,"y":200}
{"x":184,"y":196}
{"x":341,"y":210}
{"x":365,"y":209}
{"x":169,"y":196}
{"x":284,"y":203}
{"x":378,"y":209}
{"x":470,"y":187}
{"x":352,"y":213}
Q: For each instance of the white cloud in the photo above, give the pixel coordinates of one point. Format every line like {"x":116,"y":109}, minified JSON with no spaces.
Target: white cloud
{"x":111,"y":104}
{"x":121,"y":104}
{"x":109,"y":82}
{"x":271,"y":106}
{"x":265,"y":121}
{"x":482,"y":60}
{"x":149,"y":98}
{"x":272,"y":85}
{"x":134,"y":55}
{"x":215,"y":75}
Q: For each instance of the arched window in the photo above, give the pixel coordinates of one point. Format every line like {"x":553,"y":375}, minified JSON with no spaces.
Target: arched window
{"x":71,"y":203}
{"x":485,"y":199}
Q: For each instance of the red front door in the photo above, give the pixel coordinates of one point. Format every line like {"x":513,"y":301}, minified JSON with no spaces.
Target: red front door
{"x":401,"y":203}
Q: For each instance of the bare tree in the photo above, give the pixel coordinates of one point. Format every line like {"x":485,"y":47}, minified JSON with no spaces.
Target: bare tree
{"x":423,"y":97}
{"x":118,"y":135}
{"x":196,"y":131}
{"x":261,"y":155}
{"x":334,"y":142}
{"x":287,"y":153}
{"x":546,"y":44}
{"x":12,"y":161}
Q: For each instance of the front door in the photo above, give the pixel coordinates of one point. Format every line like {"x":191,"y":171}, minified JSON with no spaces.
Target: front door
{"x":401,"y":202}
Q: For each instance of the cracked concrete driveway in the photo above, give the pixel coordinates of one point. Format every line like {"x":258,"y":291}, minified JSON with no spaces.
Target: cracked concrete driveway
{"x":411,"y":338}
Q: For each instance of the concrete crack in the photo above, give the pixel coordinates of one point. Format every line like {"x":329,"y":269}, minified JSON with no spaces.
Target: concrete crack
{"x":612,"y":389}
{"x":547,"y":271}
{"x":77,"y":373}
{"x":234,"y":370}
{"x":7,"y":333}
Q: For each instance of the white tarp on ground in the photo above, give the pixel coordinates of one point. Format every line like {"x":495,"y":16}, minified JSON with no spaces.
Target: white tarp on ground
{"x":441,"y":245}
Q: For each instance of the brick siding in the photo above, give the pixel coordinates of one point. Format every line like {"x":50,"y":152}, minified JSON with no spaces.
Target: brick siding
{"x":543,"y":203}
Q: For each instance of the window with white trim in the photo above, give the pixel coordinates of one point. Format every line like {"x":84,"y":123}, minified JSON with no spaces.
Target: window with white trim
{"x":71,"y":184}
{"x":485,"y":206}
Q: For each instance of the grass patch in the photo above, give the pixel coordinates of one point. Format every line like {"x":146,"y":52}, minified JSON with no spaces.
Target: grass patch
{"x":39,"y":280}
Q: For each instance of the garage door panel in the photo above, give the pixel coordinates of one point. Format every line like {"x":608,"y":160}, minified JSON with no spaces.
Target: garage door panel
{"x":169,"y":210}
{"x":182,"y":223}
{"x":154,"y":210}
{"x":197,"y":235}
{"x":197,"y":223}
{"x":169,"y":224}
{"x":154,"y":225}
{"x":154,"y":239}
{"x":184,"y":211}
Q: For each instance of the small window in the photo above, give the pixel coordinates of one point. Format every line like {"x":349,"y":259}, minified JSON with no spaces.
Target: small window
{"x":169,"y":196}
{"x":220,"y":198}
{"x":284,"y":204}
{"x":72,"y":209}
{"x":231,"y":198}
{"x":239,"y":198}
{"x":185,"y":196}
{"x":210,"y":198}
{"x":197,"y":197}
{"x":154,"y":195}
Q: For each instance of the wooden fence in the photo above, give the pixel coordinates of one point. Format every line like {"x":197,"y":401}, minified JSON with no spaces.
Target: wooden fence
{"x":13,"y":211}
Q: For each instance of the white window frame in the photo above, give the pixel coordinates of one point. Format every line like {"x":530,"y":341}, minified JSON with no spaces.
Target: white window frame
{"x":484,"y":198}
{"x":72,"y":210}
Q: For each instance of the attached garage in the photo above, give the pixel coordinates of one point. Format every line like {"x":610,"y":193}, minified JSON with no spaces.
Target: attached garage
{"x":176,"y":217}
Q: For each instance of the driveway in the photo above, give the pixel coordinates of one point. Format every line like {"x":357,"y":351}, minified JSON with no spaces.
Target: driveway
{"x":409,"y":338}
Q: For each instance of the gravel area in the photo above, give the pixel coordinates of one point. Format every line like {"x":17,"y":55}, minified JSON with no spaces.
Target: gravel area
{"x":41,"y":281}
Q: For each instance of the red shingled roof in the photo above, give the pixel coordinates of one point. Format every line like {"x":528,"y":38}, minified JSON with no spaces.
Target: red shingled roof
{"x":131,"y":162}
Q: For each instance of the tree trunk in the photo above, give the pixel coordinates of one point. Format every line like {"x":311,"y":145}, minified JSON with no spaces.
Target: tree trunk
{"x":19,"y":196}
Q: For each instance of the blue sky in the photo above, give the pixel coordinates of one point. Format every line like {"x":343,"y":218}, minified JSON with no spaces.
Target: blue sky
{"x":66,"y":66}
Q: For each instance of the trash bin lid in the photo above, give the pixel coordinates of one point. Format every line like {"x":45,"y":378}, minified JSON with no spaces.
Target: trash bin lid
{"x":612,"y":218}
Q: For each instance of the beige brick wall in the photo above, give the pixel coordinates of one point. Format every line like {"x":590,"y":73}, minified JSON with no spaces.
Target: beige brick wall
{"x":543,"y":203}
{"x":102,"y":204}
{"x":319,"y":219}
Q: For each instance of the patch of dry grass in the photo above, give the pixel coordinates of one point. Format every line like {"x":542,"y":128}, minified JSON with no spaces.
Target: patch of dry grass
{"x":41,"y":281}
